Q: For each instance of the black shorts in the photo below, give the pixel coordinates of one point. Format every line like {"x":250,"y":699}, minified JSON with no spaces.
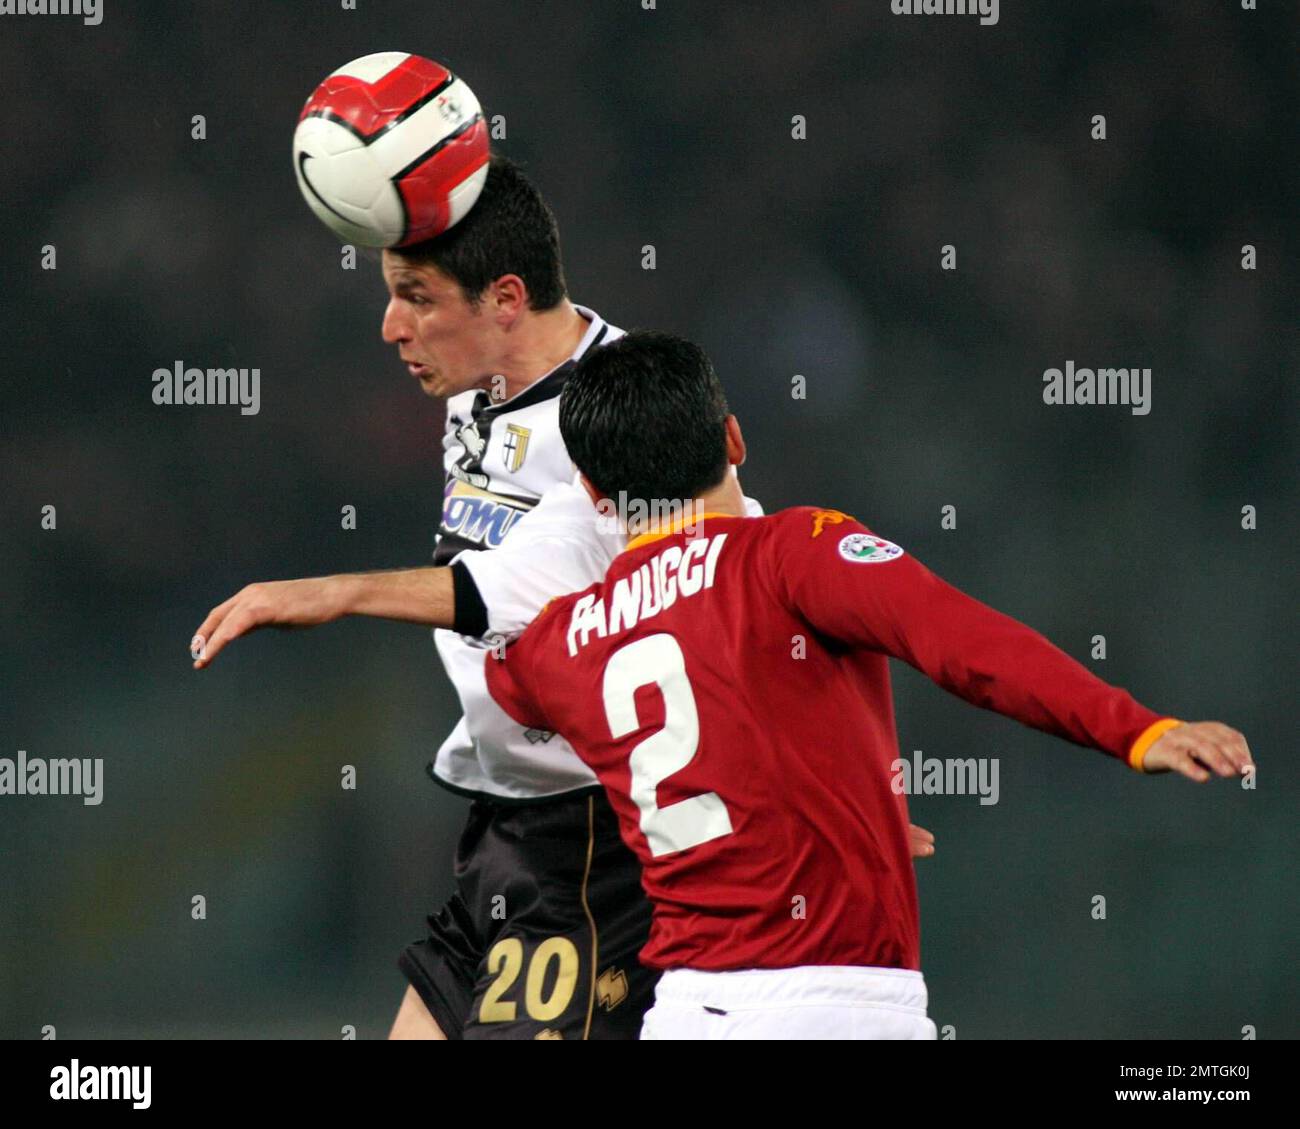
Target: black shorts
{"x":540,"y":938}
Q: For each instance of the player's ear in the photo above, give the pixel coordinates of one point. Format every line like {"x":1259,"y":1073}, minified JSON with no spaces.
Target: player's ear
{"x":735,"y":442}
{"x":509,"y":294}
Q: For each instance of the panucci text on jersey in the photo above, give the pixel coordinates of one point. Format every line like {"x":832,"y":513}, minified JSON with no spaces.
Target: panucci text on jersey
{"x":677,"y":571}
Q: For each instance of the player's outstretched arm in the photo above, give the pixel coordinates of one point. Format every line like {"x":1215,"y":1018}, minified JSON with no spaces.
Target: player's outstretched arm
{"x":416,"y":595}
{"x":866,"y":591}
{"x":553,"y":549}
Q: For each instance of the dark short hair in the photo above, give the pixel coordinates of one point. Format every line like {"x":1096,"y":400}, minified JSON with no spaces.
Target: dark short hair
{"x":646,"y":415}
{"x":509,"y":230}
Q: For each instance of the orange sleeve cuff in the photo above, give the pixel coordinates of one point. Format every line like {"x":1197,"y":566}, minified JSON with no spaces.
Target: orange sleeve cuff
{"x":1148,"y":737}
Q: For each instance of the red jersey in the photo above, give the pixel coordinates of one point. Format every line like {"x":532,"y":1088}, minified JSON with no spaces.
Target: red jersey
{"x":731,"y":691}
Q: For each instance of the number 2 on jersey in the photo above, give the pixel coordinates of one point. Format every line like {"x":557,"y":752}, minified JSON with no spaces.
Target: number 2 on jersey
{"x":657,"y":660}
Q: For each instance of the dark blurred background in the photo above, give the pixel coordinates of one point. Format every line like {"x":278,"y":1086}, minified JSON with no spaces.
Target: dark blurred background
{"x":818,"y":257}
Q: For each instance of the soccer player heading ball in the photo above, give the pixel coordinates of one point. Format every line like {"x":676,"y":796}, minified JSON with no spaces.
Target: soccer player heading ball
{"x":482,"y":317}
{"x":752,"y":776}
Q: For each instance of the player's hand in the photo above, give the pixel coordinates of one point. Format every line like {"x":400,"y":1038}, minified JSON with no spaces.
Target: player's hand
{"x":275,"y":603}
{"x":922,"y":841}
{"x":1197,"y":749}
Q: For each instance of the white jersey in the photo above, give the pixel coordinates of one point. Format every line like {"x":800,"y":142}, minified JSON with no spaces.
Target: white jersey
{"x":500,"y":458}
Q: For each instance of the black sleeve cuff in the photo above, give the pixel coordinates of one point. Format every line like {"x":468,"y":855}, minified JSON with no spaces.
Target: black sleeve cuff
{"x":469,"y":616}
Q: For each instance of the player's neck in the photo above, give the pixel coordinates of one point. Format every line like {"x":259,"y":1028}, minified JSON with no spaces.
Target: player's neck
{"x":724,"y":500}
{"x":539,"y":343}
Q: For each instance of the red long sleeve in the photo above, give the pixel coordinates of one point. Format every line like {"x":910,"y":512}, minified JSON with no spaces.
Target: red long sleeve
{"x":864,"y":591}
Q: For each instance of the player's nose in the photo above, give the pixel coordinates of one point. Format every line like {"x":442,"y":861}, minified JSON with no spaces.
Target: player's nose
{"x":394,"y":330}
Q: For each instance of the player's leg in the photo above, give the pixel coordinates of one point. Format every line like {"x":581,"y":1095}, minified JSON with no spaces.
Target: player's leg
{"x":441,"y":970}
{"x":413,"y":1019}
{"x":443,"y":967}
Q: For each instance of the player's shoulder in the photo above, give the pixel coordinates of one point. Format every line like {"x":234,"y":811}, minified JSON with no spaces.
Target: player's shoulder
{"x":566,"y":501}
{"x":811,"y":522}
{"x":816,"y":533}
{"x":819,"y":535}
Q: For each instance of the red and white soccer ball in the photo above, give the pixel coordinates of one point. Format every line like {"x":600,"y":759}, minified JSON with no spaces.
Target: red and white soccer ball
{"x":390,"y":150}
